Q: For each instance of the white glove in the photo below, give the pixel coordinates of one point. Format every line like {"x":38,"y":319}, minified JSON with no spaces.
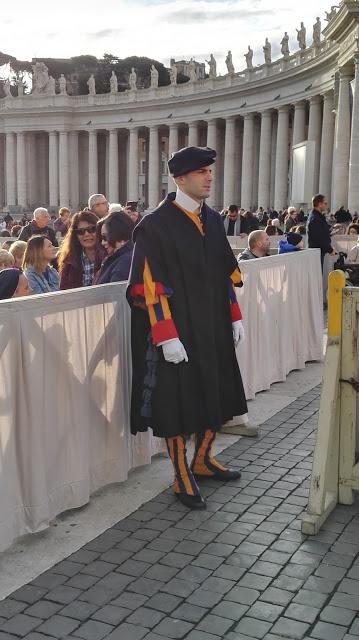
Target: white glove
{"x":174,"y":351}
{"x":238,"y":332}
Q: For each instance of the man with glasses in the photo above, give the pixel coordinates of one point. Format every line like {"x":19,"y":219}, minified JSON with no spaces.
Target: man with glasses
{"x":318,"y":228}
{"x":98,"y":204}
{"x":39,"y":226}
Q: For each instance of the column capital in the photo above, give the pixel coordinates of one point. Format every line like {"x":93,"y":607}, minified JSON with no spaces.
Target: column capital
{"x":315,"y":100}
{"x":193,"y":123}
{"x":301,"y":105}
{"x":267,"y":113}
{"x":153,"y":127}
{"x":356,"y":59}
{"x":283,"y":109}
{"x":248,"y":116}
{"x":112,"y":129}
{"x":346,"y":72}
{"x":328,"y":95}
{"x":231,"y":118}
{"x":212,"y":122}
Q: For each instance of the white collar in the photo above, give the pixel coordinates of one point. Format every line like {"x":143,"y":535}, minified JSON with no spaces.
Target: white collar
{"x":186,"y":202}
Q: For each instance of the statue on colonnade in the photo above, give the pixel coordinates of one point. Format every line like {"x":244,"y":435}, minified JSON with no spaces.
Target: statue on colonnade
{"x":285,"y":46}
{"x":7,"y":89}
{"x":62,"y":85}
{"x":20,"y":87}
{"x":229,"y":63}
{"x":51,"y":91}
{"x":317,"y":30}
{"x":329,"y":15}
{"x":249,"y":57}
{"x":113,"y":83}
{"x":212,"y":66}
{"x":40,"y":79}
{"x":173,"y":74}
{"x":154,"y":77}
{"x":267,"y":50}
{"x":301,"y":36}
{"x":91,"y":83}
{"x":132,"y":80}
{"x":192,"y":71}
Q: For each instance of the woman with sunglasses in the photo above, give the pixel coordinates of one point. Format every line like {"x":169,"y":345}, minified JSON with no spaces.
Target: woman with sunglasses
{"x":116,"y":238}
{"x":80,"y":257}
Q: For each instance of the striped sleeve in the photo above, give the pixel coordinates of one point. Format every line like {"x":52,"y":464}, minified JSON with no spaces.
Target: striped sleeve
{"x":235,"y":280}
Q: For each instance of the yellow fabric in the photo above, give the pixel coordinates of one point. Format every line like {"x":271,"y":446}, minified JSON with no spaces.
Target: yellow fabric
{"x":236,"y":276}
{"x":193,"y":217}
{"x":151,"y":298}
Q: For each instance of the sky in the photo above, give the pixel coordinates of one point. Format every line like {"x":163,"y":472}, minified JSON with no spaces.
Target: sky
{"x":176,"y":28}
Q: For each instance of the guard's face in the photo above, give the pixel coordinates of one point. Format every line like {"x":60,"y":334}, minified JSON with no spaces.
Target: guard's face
{"x":197,"y":184}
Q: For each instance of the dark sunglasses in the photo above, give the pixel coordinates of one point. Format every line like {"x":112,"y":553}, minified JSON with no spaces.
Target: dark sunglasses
{"x":81,"y":232}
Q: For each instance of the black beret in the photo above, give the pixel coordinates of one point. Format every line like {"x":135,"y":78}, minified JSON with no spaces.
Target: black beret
{"x":9,"y":279}
{"x":190,"y":159}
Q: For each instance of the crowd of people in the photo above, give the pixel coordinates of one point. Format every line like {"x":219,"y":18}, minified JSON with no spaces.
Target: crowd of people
{"x":93,"y":246}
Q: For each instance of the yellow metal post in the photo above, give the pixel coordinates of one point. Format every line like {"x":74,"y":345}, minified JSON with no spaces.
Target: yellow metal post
{"x":336,"y":284}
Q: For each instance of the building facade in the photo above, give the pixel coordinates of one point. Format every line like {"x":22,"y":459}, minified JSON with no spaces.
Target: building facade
{"x":55,"y":150}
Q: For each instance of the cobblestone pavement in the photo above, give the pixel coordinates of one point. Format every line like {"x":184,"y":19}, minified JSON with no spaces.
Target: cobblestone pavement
{"x":239,"y":570}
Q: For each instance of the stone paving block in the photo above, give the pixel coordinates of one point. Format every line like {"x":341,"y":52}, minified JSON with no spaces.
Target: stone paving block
{"x":354,"y":629}
{"x":287,"y":583}
{"x":81,"y":581}
{"x":290,"y":628}
{"x":179,"y":587}
{"x":326,"y":631}
{"x":79,"y":610}
{"x":93,"y":630}
{"x":222,"y":550}
{"x":265,"y":611}
{"x":337,"y":615}
{"x":215,"y":624}
{"x":332,"y":572}
{"x":145,"y":586}
{"x":161,"y":572}
{"x":9,"y":608}
{"x":194,"y":574}
{"x":67,"y":568}
{"x":262,"y":568}
{"x":29,"y":593}
{"x":311,"y":598}
{"x":323,"y":585}
{"x":114,"y":557}
{"x":253,"y":628}
{"x":251,"y":549}
{"x":349,"y":586}
{"x":231,"y":610}
{"x":243,"y":595}
{"x":219,"y":585}
{"x":229,"y":572}
{"x":204,"y":598}
{"x":254,"y":581}
{"x":189,"y":612}
{"x":298,"y":570}
{"x":111,"y":614}
{"x":178,"y":560}
{"x":58,"y":626}
{"x":145,"y":617}
{"x":21,"y":624}
{"x":277,"y":596}
{"x":63,"y":594}
{"x":201,"y":635}
{"x":164,"y":602}
{"x":302,"y":612}
{"x":43,"y":609}
{"x":49,"y":580}
{"x":173,"y":628}
{"x":345,"y":600}
{"x":127,"y":632}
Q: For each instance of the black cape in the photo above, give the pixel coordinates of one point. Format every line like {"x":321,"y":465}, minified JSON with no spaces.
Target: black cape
{"x":207,"y":391}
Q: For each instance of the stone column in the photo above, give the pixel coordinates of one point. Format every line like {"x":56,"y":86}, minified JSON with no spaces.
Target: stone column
{"x":342,"y":143}
{"x":133,"y":193}
{"x":229,"y":162}
{"x":265,"y":160}
{"x":10,"y":170}
{"x":353,"y":197}
{"x":282,"y":159}
{"x":212,"y":143}
{"x":64,"y":169}
{"x":153,"y":168}
{"x":21,"y":171}
{"x":326,"y":151}
{"x":314,"y":134}
{"x":247,"y":161}
{"x":93,"y":163}
{"x":74,"y":172}
{"x":299,"y":122}
{"x":53,"y":170}
{"x":193,"y":134}
{"x":172,"y":147}
{"x":113,"y":177}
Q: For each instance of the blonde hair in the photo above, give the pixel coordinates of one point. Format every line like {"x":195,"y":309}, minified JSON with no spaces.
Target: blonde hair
{"x":18,"y":249}
{"x":6,"y":258}
{"x":34,"y":254}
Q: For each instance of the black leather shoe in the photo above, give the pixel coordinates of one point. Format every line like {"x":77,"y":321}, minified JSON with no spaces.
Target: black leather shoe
{"x":192,"y":502}
{"x":222,"y":476}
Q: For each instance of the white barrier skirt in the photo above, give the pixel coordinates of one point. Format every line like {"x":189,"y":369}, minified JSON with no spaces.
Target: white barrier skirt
{"x":65,"y":375}
{"x":282,"y":307}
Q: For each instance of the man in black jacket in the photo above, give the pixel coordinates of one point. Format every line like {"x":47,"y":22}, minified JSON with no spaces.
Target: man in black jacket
{"x":39,"y":226}
{"x":318,"y":228}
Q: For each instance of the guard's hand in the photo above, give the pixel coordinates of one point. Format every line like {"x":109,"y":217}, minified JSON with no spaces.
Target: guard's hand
{"x":238,"y":332}
{"x":174,"y":351}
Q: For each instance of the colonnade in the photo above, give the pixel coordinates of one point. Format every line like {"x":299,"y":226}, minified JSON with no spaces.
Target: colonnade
{"x":254,"y":166}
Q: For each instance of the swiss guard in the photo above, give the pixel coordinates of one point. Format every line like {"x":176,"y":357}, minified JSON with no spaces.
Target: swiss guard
{"x":185,"y":323}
